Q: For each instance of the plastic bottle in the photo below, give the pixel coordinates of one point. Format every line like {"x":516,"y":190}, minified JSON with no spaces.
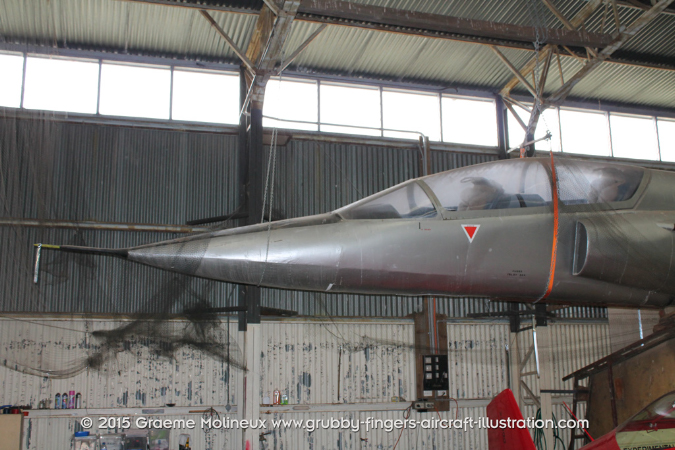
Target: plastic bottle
{"x":284,"y":399}
{"x":57,"y":401}
{"x":276,"y":397}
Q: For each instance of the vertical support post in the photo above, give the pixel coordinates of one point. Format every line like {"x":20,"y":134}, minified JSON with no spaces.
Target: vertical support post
{"x":515,"y":368}
{"x":612,"y":394}
{"x":98,"y":87}
{"x":23,"y":80}
{"x":502,"y":130}
{"x":515,"y":363}
{"x":251,"y":412}
{"x":251,"y":194}
{"x":251,"y":162}
{"x":546,"y":380}
{"x":422,"y":347}
{"x":531,"y":128}
{"x":243,"y":172}
{"x":658,"y":138}
{"x":255,"y":213}
{"x":425,"y":156}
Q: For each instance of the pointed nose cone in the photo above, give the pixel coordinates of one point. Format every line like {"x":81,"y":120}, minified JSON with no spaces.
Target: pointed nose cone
{"x":182,"y":256}
{"x":297,"y":257}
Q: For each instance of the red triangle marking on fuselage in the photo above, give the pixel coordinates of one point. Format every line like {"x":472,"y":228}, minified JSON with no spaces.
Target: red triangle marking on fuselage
{"x":470,"y":231}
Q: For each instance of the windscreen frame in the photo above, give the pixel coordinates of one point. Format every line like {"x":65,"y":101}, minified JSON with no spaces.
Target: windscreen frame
{"x":432,"y":198}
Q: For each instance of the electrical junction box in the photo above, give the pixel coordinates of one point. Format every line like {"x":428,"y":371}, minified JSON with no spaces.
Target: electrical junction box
{"x":423,"y":406}
{"x":435,"y":373}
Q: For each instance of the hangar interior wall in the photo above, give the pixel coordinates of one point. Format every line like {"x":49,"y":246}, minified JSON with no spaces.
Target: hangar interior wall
{"x":339,"y":368}
{"x":333,"y":363}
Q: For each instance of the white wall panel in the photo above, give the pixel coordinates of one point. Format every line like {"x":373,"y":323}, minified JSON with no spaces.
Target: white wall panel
{"x":56,"y":434}
{"x":477,"y":359}
{"x":301,"y":358}
{"x":134,"y":378}
{"x":337,"y":361}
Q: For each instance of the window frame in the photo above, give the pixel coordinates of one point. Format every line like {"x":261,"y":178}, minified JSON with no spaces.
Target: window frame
{"x":439,"y":116}
{"x":379,"y":119}
{"x":636,"y":116}
{"x":28,"y":55}
{"x":608,"y":131}
{"x":491,"y":100}
{"x":175,"y":69}
{"x":169,"y":68}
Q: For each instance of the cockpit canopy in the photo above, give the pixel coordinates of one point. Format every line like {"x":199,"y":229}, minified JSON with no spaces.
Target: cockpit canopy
{"x":653,"y":427}
{"x":518,"y":183}
{"x":405,"y":201}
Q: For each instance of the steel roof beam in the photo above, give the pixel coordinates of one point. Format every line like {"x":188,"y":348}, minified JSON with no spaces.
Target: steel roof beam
{"x":247,"y":62}
{"x":343,"y":13}
{"x":636,"y":4}
{"x":301,"y":48}
{"x":515,"y":71}
{"x":267,"y":42}
{"x":365,"y":23}
{"x":559,"y":95}
{"x":578,"y":20}
{"x":560,"y":16}
{"x":631,"y":4}
{"x":367,"y":16}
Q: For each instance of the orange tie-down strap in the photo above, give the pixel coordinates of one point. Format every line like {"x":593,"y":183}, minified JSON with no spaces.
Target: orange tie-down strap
{"x":554,"y":247}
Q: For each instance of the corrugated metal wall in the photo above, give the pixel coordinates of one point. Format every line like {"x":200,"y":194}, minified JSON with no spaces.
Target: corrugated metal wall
{"x":573,"y":346}
{"x":81,"y":172}
{"x":335,"y":363}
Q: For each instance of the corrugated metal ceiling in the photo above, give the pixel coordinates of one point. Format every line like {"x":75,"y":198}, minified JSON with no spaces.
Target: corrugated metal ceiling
{"x":137,"y":28}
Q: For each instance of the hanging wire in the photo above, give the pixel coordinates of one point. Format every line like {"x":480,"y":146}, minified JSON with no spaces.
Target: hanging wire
{"x":269,"y":184}
{"x":271,"y":160}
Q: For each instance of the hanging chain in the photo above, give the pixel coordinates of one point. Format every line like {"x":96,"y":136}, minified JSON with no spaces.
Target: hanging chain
{"x":541,"y":36}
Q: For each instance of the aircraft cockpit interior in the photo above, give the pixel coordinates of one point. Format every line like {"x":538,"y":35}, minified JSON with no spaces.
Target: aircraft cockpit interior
{"x":590,"y":182}
{"x":509,"y":184}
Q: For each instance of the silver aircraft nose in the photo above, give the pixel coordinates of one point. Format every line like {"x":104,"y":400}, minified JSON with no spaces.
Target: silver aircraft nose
{"x":305,"y":256}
